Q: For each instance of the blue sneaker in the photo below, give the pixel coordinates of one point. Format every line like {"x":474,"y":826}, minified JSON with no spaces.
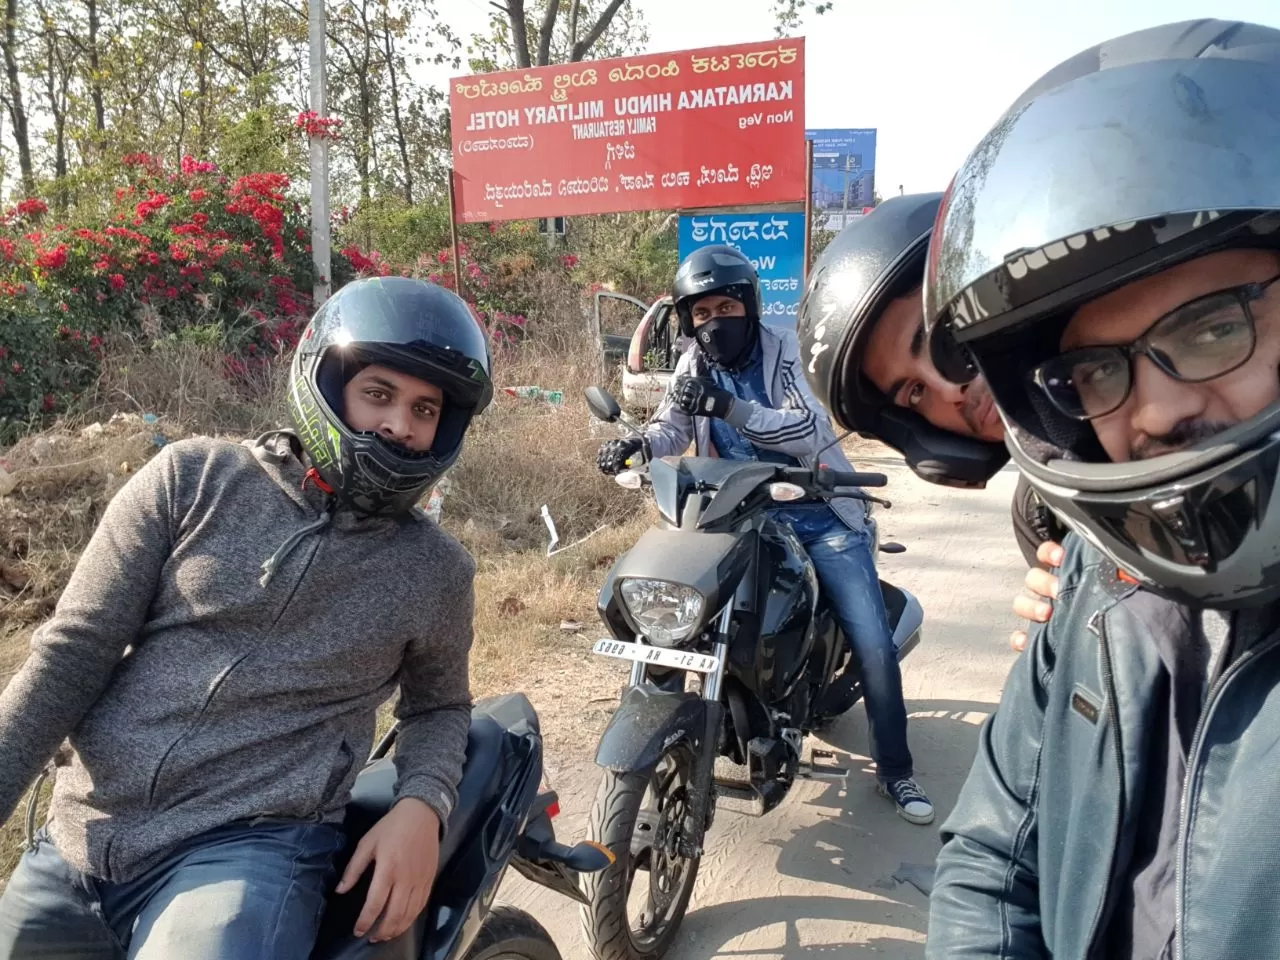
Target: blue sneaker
{"x":913,"y":806}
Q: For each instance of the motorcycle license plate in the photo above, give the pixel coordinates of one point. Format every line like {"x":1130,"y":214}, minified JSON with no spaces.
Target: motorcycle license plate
{"x":661,"y":656}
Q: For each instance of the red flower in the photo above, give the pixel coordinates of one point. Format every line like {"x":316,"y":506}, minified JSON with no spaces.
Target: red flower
{"x":200,"y":219}
{"x":190,"y":166}
{"x":102,"y":264}
{"x":3,"y":353}
{"x":54,"y":259}
{"x":569,"y":261}
{"x":145,"y":208}
{"x":95,"y":342}
{"x":16,"y":367}
{"x":140,"y":160}
{"x":31,"y":207}
{"x":442,"y":256}
{"x":117,"y":284}
{"x":49,"y":402}
{"x":198,"y":195}
{"x":8,"y":249}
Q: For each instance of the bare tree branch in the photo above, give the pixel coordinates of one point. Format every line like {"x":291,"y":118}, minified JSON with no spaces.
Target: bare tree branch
{"x":583,"y":46}
{"x":545,"y":30}
{"x":519,"y":32}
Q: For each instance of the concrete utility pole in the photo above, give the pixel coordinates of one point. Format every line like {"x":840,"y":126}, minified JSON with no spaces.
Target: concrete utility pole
{"x":319,"y":159}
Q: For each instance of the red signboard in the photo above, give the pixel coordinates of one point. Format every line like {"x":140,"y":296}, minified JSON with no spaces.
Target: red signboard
{"x":722,"y":126}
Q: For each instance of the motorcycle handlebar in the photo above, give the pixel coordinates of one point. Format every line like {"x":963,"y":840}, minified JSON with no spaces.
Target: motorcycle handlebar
{"x":850,"y":478}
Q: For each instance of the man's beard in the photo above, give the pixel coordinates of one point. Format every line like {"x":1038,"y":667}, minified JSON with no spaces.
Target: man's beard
{"x":973,"y":408}
{"x":1183,"y":434}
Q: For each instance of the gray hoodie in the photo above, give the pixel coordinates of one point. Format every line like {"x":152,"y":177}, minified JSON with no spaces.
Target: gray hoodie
{"x":195,"y":694}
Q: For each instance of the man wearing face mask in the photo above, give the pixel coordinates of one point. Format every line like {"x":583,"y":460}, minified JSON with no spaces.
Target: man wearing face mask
{"x":739,"y":393}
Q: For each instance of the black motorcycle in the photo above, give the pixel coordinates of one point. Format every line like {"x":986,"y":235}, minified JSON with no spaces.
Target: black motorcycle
{"x":735,"y":653}
{"x":500,"y":818}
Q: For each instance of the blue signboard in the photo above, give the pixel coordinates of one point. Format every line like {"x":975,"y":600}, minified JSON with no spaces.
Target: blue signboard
{"x":773,"y":242}
{"x":844,"y":174}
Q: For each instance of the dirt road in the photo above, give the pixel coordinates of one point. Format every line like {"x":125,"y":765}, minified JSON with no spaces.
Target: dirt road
{"x":830,"y":871}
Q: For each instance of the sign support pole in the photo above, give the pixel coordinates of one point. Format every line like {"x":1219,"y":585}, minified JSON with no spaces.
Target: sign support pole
{"x":319,"y":158}
{"x":808,"y":209}
{"x":453,"y":236}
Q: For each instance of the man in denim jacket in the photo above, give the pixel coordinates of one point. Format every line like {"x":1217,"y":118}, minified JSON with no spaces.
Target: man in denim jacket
{"x":739,"y":393}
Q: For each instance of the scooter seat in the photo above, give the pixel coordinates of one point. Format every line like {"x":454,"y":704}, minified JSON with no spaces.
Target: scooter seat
{"x":373,"y":794}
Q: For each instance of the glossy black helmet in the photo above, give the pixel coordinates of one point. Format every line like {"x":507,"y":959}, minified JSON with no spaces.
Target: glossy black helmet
{"x":717,"y":269}
{"x":1143,"y":153}
{"x":411,"y":326}
{"x":873,"y":261}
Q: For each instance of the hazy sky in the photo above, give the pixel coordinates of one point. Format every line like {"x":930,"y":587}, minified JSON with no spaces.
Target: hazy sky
{"x":931,"y":75}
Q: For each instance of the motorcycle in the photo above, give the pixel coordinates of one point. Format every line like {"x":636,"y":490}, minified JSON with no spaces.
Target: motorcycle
{"x":735,"y":654}
{"x":501,"y":818}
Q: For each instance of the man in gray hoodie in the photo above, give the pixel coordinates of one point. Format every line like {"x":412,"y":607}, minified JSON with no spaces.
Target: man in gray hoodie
{"x":221,"y":649}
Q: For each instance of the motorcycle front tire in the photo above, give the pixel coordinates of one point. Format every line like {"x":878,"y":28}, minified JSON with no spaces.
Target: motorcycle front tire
{"x":606,"y":922}
{"x":511,"y":933}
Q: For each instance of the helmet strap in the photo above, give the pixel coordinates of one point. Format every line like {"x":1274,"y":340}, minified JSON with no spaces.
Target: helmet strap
{"x":313,"y":475}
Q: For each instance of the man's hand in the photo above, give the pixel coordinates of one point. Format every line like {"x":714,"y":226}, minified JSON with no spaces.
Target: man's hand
{"x":404,"y":847}
{"x":1036,"y":602}
{"x":613,"y":454}
{"x":700,"y":397}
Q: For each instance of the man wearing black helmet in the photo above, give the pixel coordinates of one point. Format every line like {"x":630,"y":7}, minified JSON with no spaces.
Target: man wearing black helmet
{"x":221,"y":650}
{"x":861,"y":329}
{"x":738,"y":393}
{"x":1129,"y":328}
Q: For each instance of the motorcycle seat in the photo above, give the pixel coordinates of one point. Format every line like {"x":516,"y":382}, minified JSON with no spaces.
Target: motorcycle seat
{"x":373,"y":794}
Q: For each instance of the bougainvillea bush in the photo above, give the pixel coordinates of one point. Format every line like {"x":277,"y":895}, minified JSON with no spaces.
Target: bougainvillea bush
{"x":178,"y":251}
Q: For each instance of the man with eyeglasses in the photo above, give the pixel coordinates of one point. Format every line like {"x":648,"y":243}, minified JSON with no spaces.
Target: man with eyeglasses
{"x":1128,"y":326}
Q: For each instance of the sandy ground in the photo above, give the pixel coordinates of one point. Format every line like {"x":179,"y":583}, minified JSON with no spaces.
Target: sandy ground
{"x":830,"y":870}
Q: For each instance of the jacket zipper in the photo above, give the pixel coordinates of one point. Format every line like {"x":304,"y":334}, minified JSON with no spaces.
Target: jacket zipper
{"x":1098,"y":626}
{"x":1184,"y":808}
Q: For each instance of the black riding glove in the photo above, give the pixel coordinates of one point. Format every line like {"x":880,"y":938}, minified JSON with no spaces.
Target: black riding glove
{"x":613,"y":455}
{"x":699,"y":397}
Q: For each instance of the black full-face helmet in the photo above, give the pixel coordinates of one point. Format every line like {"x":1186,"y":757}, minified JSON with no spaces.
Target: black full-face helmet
{"x":416,"y":328}
{"x":718,"y":269}
{"x":1140,"y":154}
{"x":873,"y":261}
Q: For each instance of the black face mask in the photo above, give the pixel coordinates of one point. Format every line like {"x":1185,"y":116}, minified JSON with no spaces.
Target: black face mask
{"x":727,"y":341}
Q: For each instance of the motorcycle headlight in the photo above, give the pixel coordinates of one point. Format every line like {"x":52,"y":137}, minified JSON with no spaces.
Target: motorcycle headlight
{"x":666,"y":613}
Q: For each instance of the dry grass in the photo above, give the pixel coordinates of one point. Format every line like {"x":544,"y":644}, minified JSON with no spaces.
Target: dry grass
{"x":520,"y":455}
{"x":186,"y":384}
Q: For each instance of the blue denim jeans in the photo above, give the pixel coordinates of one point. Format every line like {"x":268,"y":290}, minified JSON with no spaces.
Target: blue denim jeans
{"x":847,"y":574}
{"x":240,"y":892}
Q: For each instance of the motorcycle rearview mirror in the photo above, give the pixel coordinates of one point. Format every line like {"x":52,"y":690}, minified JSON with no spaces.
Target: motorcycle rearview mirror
{"x":602,"y":405}
{"x":817,"y":458}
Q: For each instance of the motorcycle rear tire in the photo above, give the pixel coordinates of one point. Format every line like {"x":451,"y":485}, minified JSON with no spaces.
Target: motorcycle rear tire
{"x":606,"y":922}
{"x":511,"y":934}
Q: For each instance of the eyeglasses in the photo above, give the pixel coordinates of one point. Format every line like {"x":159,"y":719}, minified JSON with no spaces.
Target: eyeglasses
{"x":1203,"y":339}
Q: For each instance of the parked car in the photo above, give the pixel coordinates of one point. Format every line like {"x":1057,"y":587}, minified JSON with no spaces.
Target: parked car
{"x":648,"y":354}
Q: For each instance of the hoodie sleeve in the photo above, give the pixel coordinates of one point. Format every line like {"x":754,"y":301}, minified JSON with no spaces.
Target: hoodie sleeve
{"x":100,"y":613}
{"x":671,"y":430}
{"x":798,"y":426}
{"x":434,"y":710}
